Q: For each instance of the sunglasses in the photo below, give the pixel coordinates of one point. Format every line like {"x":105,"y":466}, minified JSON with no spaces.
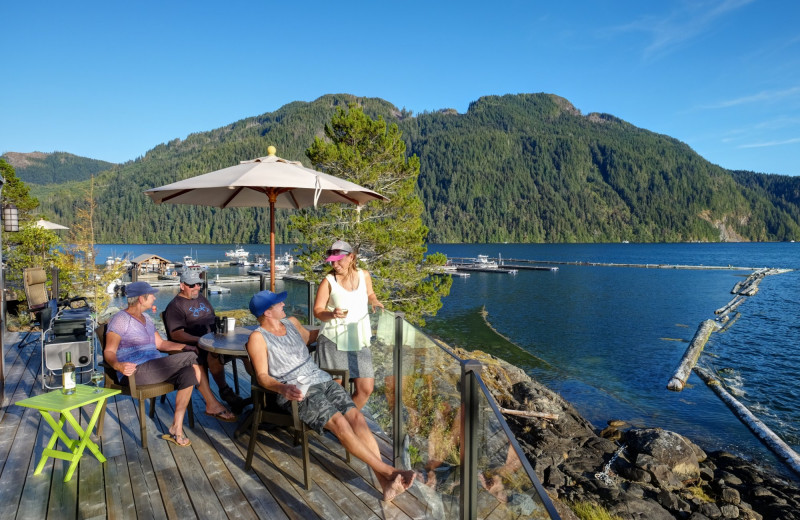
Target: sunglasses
{"x":192,"y":285}
{"x":337,"y":252}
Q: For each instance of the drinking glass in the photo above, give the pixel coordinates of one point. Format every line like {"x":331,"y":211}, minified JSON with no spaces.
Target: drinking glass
{"x":97,"y":378}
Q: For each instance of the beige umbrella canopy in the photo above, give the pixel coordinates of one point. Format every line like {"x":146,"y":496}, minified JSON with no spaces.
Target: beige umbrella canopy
{"x":46,"y":224}
{"x":266,"y":181}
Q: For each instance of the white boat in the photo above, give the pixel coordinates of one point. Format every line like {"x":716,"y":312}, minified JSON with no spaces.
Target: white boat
{"x":114,"y":286}
{"x":284,"y":263}
{"x":239,"y":252}
{"x":484,"y":262}
{"x":190,"y":262}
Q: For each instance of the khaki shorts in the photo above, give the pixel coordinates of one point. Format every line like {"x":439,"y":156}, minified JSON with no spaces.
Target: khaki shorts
{"x":322,"y":401}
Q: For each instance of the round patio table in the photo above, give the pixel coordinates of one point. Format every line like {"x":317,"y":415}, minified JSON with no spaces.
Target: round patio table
{"x":228,"y":344}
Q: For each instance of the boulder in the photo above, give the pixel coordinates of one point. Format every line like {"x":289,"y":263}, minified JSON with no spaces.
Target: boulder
{"x":668,"y":448}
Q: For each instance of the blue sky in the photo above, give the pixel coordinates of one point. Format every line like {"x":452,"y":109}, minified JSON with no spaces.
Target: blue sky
{"x":111,"y":80}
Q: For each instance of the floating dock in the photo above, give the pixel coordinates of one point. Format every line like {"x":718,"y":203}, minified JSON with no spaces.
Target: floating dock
{"x":530,"y":267}
{"x":500,"y":270}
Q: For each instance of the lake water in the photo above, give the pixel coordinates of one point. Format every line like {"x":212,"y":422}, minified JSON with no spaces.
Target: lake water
{"x":608,"y":339}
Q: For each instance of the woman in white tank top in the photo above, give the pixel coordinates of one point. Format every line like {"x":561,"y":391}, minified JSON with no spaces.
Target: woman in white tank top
{"x":342,"y":303}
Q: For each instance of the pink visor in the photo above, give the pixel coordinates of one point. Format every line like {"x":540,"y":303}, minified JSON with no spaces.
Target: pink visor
{"x":336,"y":254}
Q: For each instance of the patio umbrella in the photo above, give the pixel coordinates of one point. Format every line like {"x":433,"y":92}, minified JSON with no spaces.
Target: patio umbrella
{"x":266,"y":181}
{"x":46,"y":224}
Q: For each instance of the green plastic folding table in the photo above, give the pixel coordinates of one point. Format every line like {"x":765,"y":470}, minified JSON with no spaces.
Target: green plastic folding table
{"x":63,"y":405}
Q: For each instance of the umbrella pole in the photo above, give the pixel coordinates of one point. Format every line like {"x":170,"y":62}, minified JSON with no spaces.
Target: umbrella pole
{"x":272,"y":198}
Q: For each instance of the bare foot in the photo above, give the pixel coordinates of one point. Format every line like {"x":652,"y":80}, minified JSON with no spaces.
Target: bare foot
{"x":494,"y":485}
{"x":401,"y":482}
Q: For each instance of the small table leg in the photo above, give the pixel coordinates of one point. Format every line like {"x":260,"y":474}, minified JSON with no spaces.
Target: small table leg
{"x":75,"y":446}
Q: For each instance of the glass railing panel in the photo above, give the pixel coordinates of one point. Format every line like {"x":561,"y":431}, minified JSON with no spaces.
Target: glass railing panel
{"x":297,"y":301}
{"x":431,"y":400}
{"x":379,"y":406}
{"x":506,"y":483}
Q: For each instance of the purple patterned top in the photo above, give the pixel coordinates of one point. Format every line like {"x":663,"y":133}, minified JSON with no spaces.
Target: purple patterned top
{"x":137,"y":343}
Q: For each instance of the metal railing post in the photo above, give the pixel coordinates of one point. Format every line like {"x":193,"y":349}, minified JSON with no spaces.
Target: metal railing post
{"x":469,"y":439}
{"x":311,"y":293}
{"x":55,"y":288}
{"x":397,"y":371}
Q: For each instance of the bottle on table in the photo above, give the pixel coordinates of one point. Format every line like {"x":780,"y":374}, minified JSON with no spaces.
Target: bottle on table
{"x":68,"y":375}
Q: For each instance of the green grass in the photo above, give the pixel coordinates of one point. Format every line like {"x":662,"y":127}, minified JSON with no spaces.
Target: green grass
{"x":591,"y":511}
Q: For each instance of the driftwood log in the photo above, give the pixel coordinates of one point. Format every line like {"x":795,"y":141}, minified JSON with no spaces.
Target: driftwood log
{"x":735,"y":302}
{"x":526,"y":413}
{"x":767,"y":436}
{"x":689,"y":359}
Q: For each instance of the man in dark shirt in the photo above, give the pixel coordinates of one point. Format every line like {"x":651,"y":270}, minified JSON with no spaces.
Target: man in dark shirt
{"x":187,"y":317}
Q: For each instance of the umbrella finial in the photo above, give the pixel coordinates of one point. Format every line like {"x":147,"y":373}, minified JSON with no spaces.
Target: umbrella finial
{"x":271,"y":150}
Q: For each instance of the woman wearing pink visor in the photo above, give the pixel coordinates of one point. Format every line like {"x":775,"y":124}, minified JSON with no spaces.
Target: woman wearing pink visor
{"x":342,"y":304}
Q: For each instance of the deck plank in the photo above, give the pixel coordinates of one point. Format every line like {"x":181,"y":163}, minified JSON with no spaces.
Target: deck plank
{"x":219,"y":480}
{"x":21,"y":384}
{"x":33,"y":502}
{"x":173,"y":490}
{"x":288,"y":459}
{"x":91,"y":488}
{"x":145,"y":496}
{"x":25,"y":431}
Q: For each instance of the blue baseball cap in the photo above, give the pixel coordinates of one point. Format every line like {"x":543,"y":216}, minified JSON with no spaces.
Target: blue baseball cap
{"x":263,"y":300}
{"x":139,"y":289}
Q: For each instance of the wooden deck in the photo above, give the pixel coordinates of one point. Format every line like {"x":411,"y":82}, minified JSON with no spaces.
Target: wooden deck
{"x":206,"y":480}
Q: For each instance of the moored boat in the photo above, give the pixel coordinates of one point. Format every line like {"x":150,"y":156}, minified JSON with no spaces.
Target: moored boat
{"x":239,"y":252}
{"x":484,"y":262}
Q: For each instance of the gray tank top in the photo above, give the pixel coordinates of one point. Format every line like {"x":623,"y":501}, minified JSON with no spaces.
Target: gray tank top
{"x":289,"y":357}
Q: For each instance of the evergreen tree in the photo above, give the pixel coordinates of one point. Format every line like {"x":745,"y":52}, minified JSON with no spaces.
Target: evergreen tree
{"x":31,"y":245}
{"x":389,"y":234}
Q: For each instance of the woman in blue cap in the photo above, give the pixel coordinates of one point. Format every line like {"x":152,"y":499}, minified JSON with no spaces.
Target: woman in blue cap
{"x":132,"y":345}
{"x":343,"y":298}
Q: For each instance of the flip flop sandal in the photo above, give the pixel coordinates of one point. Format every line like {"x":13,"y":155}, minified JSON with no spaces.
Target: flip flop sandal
{"x":174,"y":439}
{"x":221,"y":416}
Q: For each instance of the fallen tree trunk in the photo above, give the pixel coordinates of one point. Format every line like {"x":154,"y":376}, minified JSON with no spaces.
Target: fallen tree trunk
{"x":689,"y":359}
{"x":735,"y":302}
{"x":525,"y":413}
{"x":762,"y":431}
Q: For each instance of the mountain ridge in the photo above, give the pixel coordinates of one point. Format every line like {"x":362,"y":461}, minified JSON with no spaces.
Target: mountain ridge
{"x":516,"y":168}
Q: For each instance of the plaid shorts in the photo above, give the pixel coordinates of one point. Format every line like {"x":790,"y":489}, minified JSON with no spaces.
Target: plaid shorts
{"x":322,"y":401}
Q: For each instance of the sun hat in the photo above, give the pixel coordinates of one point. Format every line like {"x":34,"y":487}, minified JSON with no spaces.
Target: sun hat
{"x":261,"y":301}
{"x":338,"y":250}
{"x":139,"y":289}
{"x":190,"y":277}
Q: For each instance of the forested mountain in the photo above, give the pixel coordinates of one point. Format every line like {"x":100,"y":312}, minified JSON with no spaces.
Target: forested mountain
{"x":53,"y":168}
{"x":516,"y":168}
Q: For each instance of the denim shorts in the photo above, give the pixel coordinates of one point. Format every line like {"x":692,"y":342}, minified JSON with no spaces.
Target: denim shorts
{"x":322,"y":401}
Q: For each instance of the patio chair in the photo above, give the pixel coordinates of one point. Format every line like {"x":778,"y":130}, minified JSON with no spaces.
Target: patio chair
{"x":34,"y":281}
{"x":140,"y":393}
{"x":266,"y":410}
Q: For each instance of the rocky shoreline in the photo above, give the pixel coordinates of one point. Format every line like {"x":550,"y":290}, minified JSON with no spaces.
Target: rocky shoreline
{"x":653,"y":473}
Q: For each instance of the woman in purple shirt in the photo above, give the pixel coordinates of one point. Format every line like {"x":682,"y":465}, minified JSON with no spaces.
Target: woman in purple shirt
{"x":133,"y":346}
